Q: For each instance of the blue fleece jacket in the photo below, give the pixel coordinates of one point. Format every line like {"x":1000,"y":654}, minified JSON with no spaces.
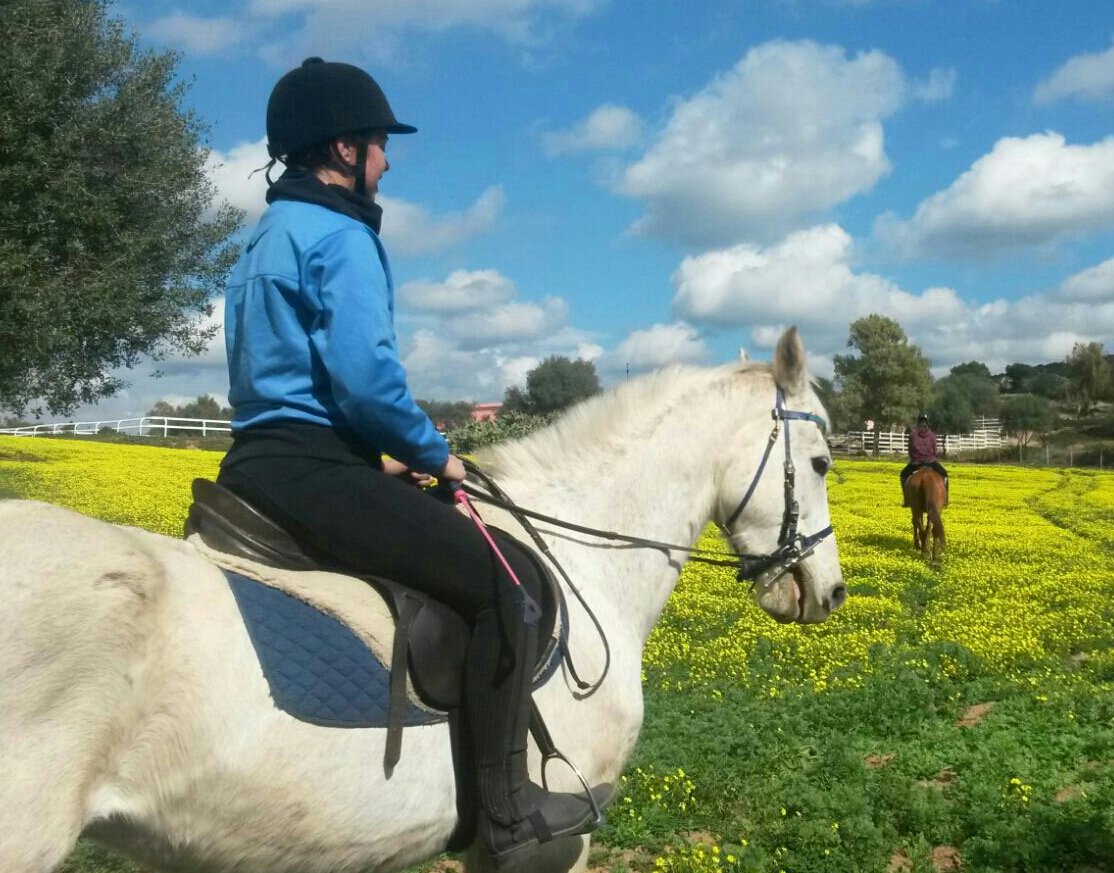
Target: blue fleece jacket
{"x":309,"y":327}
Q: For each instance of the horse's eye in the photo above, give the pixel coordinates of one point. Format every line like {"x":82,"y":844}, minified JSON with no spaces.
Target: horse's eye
{"x":822,"y":465}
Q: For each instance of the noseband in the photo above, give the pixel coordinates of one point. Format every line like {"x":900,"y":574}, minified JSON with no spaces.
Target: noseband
{"x":792,"y":546}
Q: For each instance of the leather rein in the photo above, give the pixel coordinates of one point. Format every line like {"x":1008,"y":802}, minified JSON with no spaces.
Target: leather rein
{"x":792,"y":546}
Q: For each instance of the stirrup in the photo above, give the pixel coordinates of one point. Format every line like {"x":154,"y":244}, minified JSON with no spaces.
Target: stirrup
{"x":550,"y":752}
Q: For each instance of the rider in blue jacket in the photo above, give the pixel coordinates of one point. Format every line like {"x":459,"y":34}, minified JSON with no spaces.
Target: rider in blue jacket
{"x":329,"y":442}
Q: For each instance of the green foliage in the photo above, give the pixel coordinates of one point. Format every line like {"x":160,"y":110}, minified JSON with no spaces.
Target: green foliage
{"x":1044,"y":380}
{"x":976,"y":369}
{"x":109,"y":248}
{"x":1089,"y":374}
{"x":1048,"y":383}
{"x":1017,"y":378}
{"x":515,"y":400}
{"x":555,"y":384}
{"x":889,"y":381}
{"x":508,"y":426}
{"x":952,"y":408}
{"x":449,"y":413}
{"x":975,"y":381}
{"x":204,"y":406}
{"x":91,"y":858}
{"x":832,"y":398}
{"x":1027,"y":416}
{"x":967,"y":391}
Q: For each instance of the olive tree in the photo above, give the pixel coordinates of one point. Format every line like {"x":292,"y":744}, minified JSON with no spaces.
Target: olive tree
{"x":555,"y":384}
{"x":1027,"y":416}
{"x":111,"y":245}
{"x":889,"y":380}
{"x":1088,"y":374}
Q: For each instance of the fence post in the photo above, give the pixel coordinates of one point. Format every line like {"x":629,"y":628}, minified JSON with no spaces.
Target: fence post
{"x":165,"y":429}
{"x":1071,"y":457}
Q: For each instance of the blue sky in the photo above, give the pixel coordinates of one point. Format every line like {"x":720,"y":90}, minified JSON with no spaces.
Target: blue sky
{"x":637,"y":183}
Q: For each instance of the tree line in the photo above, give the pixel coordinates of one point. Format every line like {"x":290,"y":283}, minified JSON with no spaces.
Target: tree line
{"x":888,"y":380}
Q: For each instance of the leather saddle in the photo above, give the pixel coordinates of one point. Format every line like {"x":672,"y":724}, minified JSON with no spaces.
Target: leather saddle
{"x":430,"y":637}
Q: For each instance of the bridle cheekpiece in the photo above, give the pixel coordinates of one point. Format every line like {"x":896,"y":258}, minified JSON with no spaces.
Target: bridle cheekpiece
{"x":792,"y":546}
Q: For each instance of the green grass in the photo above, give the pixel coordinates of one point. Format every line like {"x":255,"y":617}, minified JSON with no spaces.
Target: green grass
{"x":846,"y":780}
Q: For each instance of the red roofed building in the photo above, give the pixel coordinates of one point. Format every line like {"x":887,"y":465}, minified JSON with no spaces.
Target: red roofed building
{"x":486,"y":411}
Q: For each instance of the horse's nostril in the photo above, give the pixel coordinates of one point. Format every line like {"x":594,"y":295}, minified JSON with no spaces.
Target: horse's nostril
{"x":836,"y":598}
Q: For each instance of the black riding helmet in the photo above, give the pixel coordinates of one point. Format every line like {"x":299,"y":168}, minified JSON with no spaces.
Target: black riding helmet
{"x":922,"y":418}
{"x":321,"y":100}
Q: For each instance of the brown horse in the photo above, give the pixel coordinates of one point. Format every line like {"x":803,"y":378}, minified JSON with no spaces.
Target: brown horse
{"x":926,"y":496}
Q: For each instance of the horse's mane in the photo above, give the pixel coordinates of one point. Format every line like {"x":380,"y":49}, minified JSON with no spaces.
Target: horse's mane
{"x":588,"y":433}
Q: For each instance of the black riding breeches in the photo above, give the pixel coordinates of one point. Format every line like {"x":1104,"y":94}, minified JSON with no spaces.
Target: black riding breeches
{"x":912,"y":467}
{"x":354,"y":516}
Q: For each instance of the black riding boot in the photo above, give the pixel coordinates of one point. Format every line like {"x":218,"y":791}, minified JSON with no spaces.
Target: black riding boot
{"x":516,"y":814}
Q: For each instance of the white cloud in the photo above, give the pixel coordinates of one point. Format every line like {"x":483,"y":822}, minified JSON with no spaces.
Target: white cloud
{"x":657,"y":346}
{"x":195,"y":34}
{"x":376,"y":29}
{"x":1084,"y":77}
{"x":608,"y":127}
{"x":514,"y":322}
{"x":794,"y":129}
{"x":482,"y":340}
{"x":808,"y":280}
{"x":1095,"y":284}
{"x":516,"y":370}
{"x":462,"y":291}
{"x":938,"y":86}
{"x":440,"y":370}
{"x":803,"y":279}
{"x":234,"y":175}
{"x":1025,"y":192}
{"x":410,"y":229}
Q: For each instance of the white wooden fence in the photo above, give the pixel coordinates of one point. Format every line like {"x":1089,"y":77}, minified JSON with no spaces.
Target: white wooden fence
{"x":147,"y":426}
{"x":987,"y":434}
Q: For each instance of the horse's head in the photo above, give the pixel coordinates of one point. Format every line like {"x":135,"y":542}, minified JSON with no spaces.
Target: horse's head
{"x":774,"y":501}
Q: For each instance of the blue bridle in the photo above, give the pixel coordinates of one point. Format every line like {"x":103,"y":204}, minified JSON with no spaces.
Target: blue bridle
{"x":792,"y":547}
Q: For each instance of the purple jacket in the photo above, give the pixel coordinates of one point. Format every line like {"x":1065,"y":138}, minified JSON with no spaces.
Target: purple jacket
{"x":922,"y":445}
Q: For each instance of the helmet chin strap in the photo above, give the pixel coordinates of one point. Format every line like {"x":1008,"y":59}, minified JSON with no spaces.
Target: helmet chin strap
{"x":361,"y":169}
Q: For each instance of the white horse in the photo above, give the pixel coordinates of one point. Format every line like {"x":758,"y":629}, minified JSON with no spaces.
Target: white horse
{"x":133,"y":709}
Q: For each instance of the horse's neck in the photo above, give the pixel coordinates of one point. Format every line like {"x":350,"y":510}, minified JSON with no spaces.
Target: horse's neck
{"x":658,"y":483}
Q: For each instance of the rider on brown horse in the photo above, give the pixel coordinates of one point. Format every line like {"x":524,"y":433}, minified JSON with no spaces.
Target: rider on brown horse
{"x":922,"y":453}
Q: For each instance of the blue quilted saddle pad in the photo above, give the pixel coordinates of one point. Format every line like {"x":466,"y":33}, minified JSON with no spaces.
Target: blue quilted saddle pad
{"x":318,"y":670}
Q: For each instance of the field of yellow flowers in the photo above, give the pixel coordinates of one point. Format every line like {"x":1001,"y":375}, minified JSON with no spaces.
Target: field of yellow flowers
{"x":958,"y":717}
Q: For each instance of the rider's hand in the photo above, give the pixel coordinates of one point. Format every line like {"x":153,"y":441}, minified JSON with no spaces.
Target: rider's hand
{"x":454,"y":470}
{"x":400,"y":471}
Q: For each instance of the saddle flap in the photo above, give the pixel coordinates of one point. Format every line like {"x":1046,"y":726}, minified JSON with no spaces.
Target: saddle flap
{"x":438,"y":630}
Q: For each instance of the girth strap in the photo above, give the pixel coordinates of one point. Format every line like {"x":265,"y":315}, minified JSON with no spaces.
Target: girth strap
{"x":409,"y":608}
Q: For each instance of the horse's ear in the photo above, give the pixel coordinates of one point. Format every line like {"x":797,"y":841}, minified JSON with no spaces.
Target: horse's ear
{"x":743,"y":356}
{"x":790,"y":367}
